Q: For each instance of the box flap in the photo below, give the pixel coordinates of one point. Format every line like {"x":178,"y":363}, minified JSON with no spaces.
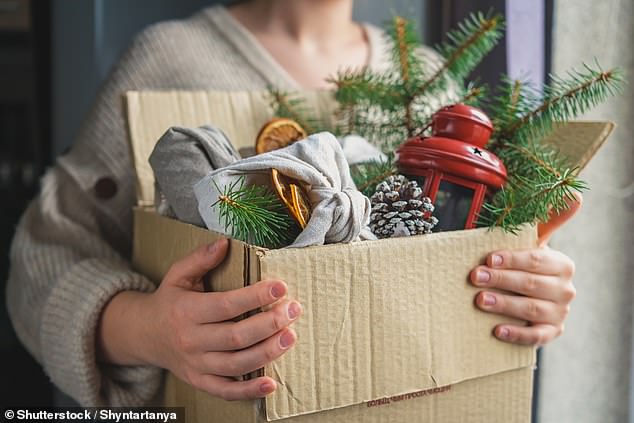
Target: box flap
{"x":580,"y":140}
{"x":240,"y":114}
{"x":346,"y":356}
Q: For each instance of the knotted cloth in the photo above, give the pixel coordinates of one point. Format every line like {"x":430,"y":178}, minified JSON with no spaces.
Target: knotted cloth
{"x":181,"y":157}
{"x":206,"y":162}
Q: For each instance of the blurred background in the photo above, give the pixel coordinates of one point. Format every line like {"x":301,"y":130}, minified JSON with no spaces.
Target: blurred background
{"x":54,"y":54}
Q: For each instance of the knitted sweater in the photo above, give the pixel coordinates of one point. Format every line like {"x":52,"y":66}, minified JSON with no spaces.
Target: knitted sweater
{"x":71,"y":252}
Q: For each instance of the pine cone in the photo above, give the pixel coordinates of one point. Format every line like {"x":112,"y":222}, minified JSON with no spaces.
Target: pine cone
{"x":399,"y":209}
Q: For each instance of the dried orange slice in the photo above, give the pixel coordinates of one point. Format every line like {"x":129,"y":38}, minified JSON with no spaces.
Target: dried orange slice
{"x":293,"y":196}
{"x":278,"y":133}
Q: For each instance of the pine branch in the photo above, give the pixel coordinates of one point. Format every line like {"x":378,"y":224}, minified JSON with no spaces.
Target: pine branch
{"x":255,"y":215}
{"x":472,"y":96}
{"x":386,"y":131}
{"x":406,"y":58}
{"x":401,"y":93}
{"x":513,"y":99}
{"x":345,"y":116}
{"x":367,"y":176}
{"x":539,"y":178}
{"x":516,"y":94}
{"x":521,"y":202}
{"x":365,"y":87}
{"x":563,"y":100}
{"x":534,"y":160}
{"x":466,"y":48}
{"x":404,"y":49}
{"x":288,"y":106}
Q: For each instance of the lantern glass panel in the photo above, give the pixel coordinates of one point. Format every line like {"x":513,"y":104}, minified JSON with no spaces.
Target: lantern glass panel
{"x":453,"y":203}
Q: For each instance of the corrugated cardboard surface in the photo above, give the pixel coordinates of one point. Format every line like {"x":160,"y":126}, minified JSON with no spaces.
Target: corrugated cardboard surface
{"x":504,"y":397}
{"x":387,"y":317}
{"x":381,"y":318}
{"x":159,"y":242}
{"x":579,"y":141}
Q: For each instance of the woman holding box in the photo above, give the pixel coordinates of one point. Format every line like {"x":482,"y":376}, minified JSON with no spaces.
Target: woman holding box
{"x":103,"y":332}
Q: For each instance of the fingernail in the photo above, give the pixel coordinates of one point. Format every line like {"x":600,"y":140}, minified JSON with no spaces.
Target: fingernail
{"x":278,"y":290}
{"x":293,"y":310}
{"x":496,"y":260}
{"x":489,"y":299}
{"x":266,"y":388}
{"x":503,"y":333}
{"x":287,"y":339}
{"x":482,"y":276}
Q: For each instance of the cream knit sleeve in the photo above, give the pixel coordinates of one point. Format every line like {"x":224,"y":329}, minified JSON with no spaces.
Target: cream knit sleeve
{"x":63,"y":273}
{"x":72,"y":248}
{"x":70,"y":253}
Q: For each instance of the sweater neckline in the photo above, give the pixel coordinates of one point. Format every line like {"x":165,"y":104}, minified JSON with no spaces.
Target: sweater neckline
{"x":265,"y":64}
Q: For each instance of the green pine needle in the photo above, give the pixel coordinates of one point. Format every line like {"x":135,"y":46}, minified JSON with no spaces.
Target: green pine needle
{"x":540,"y":179}
{"x":391,"y":106}
{"x":521,"y":202}
{"x":405,"y":57}
{"x":474,"y":94}
{"x":466,"y":47}
{"x":255,"y":215}
{"x":365,"y":87}
{"x":368,"y":175}
{"x":563,"y":100}
{"x":292,"y":106}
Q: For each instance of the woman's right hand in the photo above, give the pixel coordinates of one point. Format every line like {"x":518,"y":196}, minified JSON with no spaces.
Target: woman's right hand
{"x":190,"y":332}
{"x":198,"y":342}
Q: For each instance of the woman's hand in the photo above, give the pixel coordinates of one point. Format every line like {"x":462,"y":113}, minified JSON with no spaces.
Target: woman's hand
{"x":190,"y":332}
{"x":539,"y":286}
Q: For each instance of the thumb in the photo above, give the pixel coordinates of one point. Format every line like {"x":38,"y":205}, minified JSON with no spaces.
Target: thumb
{"x":189,"y":271}
{"x":556,"y":220}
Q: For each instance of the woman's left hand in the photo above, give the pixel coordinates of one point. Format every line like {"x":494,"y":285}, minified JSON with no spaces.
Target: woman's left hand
{"x":539,"y":286}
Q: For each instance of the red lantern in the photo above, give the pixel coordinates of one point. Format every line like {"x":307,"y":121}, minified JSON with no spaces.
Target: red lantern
{"x":452,"y":166}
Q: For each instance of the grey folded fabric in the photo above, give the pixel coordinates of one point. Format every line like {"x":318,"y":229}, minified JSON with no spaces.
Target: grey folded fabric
{"x":189,"y":163}
{"x":181,"y":158}
{"x":340,"y":213}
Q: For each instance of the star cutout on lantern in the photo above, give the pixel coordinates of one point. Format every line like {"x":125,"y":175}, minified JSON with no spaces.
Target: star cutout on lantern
{"x":477,"y":151}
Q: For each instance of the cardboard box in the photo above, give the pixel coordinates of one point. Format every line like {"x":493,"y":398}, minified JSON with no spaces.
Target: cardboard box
{"x":389,"y":331}
{"x":381,"y":320}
